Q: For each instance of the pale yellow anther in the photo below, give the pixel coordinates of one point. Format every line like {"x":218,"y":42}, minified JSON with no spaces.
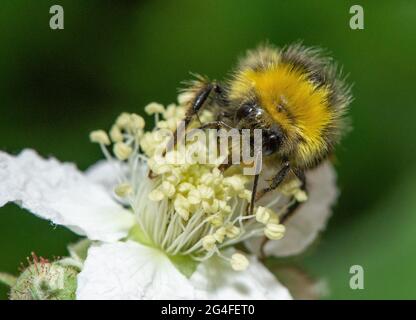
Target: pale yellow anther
{"x":185,"y":97}
{"x":214,"y":206}
{"x":156,"y":195}
{"x":168,"y":189}
{"x":194,"y":197}
{"x":232,"y":231}
{"x":274,"y":231}
{"x":301,"y":196}
{"x":115,"y":134}
{"x":226,"y":210}
{"x":210,"y":206}
{"x":136,"y":122}
{"x":221,"y":203}
{"x":123,"y":120}
{"x":162,"y":124}
{"x":122,"y":151}
{"x":235,"y":182}
{"x":245,"y":194}
{"x":206,"y":116}
{"x":138,"y":134}
{"x":181,"y":202}
{"x":170,"y":112}
{"x":274,"y":218}
{"x":290,"y":185}
{"x":219,"y":234}
{"x":172,"y":124}
{"x":123,"y":190}
{"x":206,"y":206}
{"x":160,"y":168}
{"x":173,"y":178}
{"x":263,"y":215}
{"x":99,"y":136}
{"x":184,"y":187}
{"x":183,"y":213}
{"x":208,"y":242}
{"x":207,"y":178}
{"x":172,"y":157}
{"x":216,"y":220}
{"x":153,"y":108}
{"x":239,"y":262}
{"x":205,"y":192}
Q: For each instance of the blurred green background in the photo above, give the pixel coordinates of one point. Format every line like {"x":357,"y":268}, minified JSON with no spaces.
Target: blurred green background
{"x":114,"y":56}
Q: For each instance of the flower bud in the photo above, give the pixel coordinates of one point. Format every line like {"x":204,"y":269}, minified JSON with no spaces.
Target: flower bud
{"x":44,"y":280}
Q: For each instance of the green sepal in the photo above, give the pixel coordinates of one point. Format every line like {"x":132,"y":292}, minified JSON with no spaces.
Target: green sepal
{"x":136,"y":234}
{"x":7,"y":279}
{"x":79,"y":250}
{"x":185,"y":264}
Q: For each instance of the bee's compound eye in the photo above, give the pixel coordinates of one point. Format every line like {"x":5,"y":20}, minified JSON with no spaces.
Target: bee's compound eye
{"x":271,"y":143}
{"x":244,"y":111}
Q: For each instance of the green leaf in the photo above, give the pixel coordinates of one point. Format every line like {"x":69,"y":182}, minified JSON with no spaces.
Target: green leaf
{"x":185,"y":264}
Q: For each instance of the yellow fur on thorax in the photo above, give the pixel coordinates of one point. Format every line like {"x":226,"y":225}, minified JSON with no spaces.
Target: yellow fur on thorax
{"x":304,"y":108}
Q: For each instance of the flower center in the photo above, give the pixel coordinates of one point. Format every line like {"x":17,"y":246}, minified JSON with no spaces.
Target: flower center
{"x":184,"y":206}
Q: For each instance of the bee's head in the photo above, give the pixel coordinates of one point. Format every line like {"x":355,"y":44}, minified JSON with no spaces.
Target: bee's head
{"x":251,"y":115}
{"x":271,"y":140}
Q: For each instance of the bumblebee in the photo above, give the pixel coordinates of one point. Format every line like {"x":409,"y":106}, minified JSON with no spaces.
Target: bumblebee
{"x":295,"y":94}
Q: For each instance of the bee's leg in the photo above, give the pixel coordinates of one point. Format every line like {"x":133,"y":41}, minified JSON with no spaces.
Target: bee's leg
{"x":215,"y":125}
{"x":253,"y":193}
{"x":300,"y":174}
{"x":198,"y":102}
{"x":292,"y":209}
{"x":276,"y":181}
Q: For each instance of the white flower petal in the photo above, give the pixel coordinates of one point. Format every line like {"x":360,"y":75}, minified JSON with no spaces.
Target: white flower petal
{"x":220,"y":281}
{"x":105,"y":174}
{"x":127,"y":271}
{"x":60,"y":193}
{"x":311,"y":217}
